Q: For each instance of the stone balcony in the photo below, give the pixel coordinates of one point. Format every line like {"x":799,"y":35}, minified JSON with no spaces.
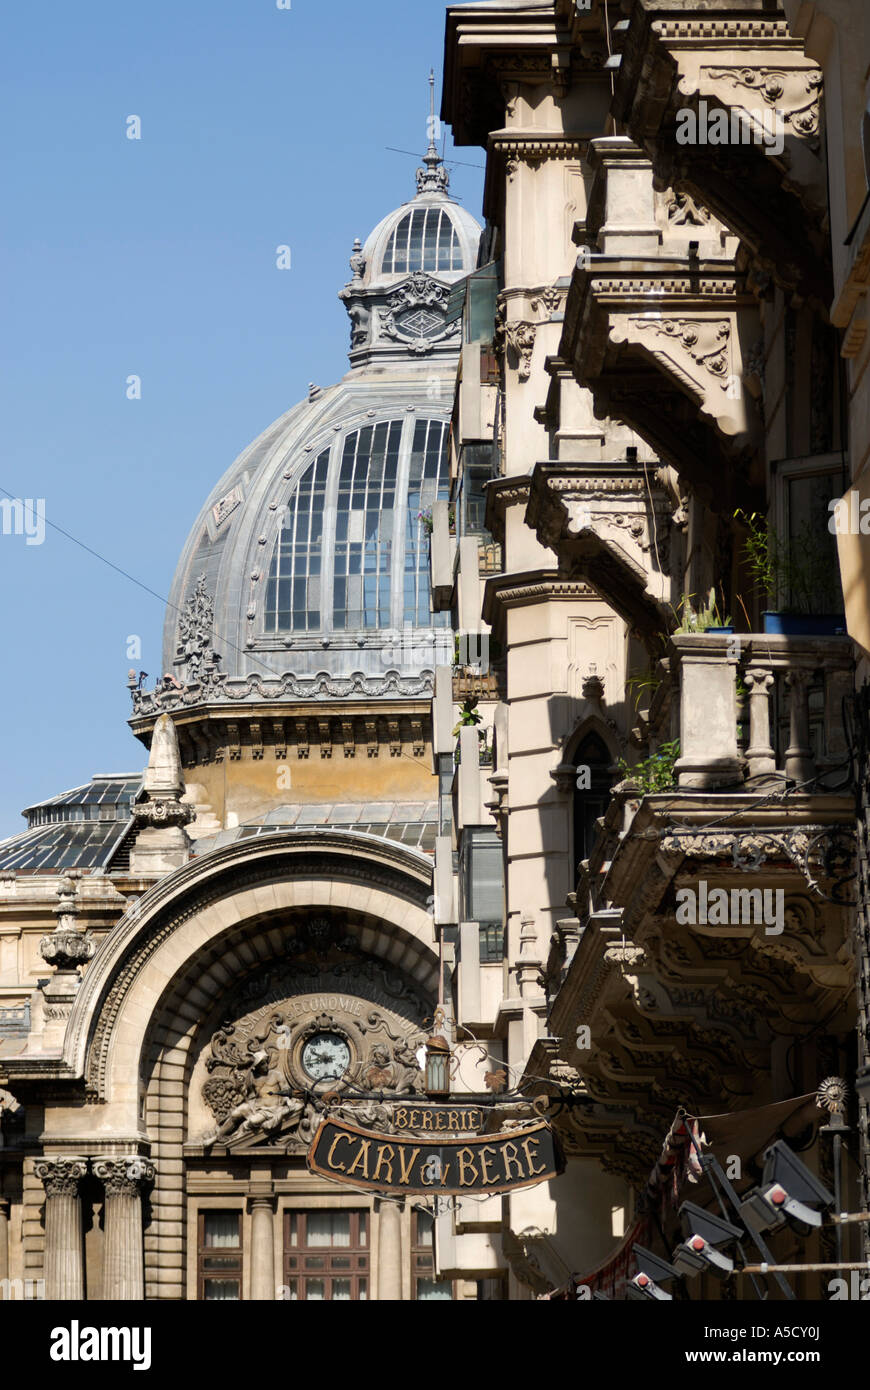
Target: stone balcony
{"x":663,"y":328}
{"x":766,"y":179}
{"x":714,"y":921}
{"x":794,"y":687}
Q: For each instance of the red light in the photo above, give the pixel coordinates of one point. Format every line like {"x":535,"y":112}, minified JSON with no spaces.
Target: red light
{"x":642,"y":1281}
{"x":777,"y":1195}
{"x":698,"y":1243}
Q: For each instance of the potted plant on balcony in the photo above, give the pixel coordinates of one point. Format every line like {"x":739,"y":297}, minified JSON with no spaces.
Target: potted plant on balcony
{"x":799,"y":569}
{"x":705,"y":619}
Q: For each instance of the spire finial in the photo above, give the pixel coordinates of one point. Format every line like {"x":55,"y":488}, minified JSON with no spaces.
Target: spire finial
{"x":434,"y":178}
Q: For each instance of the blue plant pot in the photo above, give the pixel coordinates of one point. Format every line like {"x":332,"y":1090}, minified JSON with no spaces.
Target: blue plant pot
{"x":804,"y":624}
{"x":726,"y":630}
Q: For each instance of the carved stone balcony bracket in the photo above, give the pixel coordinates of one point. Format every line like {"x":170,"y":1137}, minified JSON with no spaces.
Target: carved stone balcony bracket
{"x":519,"y":338}
{"x":611,"y":525}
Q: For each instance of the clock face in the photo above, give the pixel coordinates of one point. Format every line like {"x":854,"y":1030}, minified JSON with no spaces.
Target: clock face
{"x":326,"y":1057}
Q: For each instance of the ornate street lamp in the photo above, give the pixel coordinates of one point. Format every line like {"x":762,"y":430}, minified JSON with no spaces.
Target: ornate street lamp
{"x":437,"y":1066}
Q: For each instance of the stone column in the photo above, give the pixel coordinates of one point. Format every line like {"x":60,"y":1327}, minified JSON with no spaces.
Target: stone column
{"x":389,"y":1252}
{"x":64,"y":1262}
{"x":4,"y":1237}
{"x":262,"y":1209}
{"x":799,"y":762}
{"x":759,"y":755}
{"x":123,"y":1258}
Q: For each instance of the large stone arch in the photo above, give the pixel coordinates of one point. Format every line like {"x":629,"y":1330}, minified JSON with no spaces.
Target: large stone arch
{"x":154,"y":981}
{"x":175,"y":928}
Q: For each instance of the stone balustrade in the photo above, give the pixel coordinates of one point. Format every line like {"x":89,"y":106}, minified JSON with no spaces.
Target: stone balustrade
{"x":793,"y":689}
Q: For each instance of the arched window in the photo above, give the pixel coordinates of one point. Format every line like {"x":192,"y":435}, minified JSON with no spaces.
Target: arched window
{"x":293,"y":589}
{"x":591,"y":794}
{"x":425,"y":239}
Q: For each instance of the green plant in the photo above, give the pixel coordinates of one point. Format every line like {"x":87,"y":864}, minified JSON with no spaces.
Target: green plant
{"x":648,"y":681}
{"x":468,"y":715}
{"x":700,"y":619}
{"x":656,"y":773}
{"x":797,"y":572}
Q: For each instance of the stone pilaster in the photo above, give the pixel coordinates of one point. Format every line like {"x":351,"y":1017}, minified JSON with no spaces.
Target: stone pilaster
{"x":64,"y":1262}
{"x":123,"y":1261}
{"x":262,"y":1210}
{"x":389,"y":1252}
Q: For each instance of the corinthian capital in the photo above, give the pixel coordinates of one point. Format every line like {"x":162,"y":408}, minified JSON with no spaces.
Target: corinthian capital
{"x":123,"y":1177}
{"x":60,"y":1176}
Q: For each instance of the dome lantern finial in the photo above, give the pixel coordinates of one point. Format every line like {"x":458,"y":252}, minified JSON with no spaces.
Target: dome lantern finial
{"x":434,"y":178}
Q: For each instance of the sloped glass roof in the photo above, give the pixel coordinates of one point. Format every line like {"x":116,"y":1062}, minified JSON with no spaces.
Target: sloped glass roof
{"x":77,"y":829}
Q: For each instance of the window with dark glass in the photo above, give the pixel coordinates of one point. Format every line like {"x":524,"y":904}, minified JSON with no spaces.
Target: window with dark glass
{"x":482,"y":883}
{"x":293,"y":596}
{"x":590,"y":802}
{"x":426,"y":1287}
{"x":427,"y":483}
{"x":326,"y":1256}
{"x":425,"y":239}
{"x":814,"y":569}
{"x":364,"y":526}
{"x":219,"y":1256}
{"x":477,"y":471}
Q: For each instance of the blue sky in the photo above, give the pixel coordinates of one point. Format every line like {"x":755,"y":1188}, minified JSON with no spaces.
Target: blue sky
{"x":156,"y":257}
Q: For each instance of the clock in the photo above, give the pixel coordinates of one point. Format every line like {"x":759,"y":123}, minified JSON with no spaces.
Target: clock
{"x":326,"y":1057}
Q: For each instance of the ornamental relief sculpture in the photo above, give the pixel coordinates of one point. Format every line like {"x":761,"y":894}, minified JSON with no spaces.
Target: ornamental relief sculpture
{"x":794,"y":93}
{"x":415,"y":313}
{"x":326,"y":1033}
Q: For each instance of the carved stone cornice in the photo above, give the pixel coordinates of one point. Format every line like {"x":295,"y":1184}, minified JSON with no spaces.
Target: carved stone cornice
{"x":504,"y":591}
{"x":219,"y":688}
{"x":501,"y":493}
{"x":811,"y":849}
{"x":217,"y":734}
{"x":533,"y":147}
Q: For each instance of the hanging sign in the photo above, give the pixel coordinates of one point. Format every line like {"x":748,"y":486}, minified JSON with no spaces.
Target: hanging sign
{"x":392,"y":1164}
{"x":456,"y":1119}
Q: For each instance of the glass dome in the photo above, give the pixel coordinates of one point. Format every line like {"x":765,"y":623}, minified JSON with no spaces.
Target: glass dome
{"x":351,"y":553}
